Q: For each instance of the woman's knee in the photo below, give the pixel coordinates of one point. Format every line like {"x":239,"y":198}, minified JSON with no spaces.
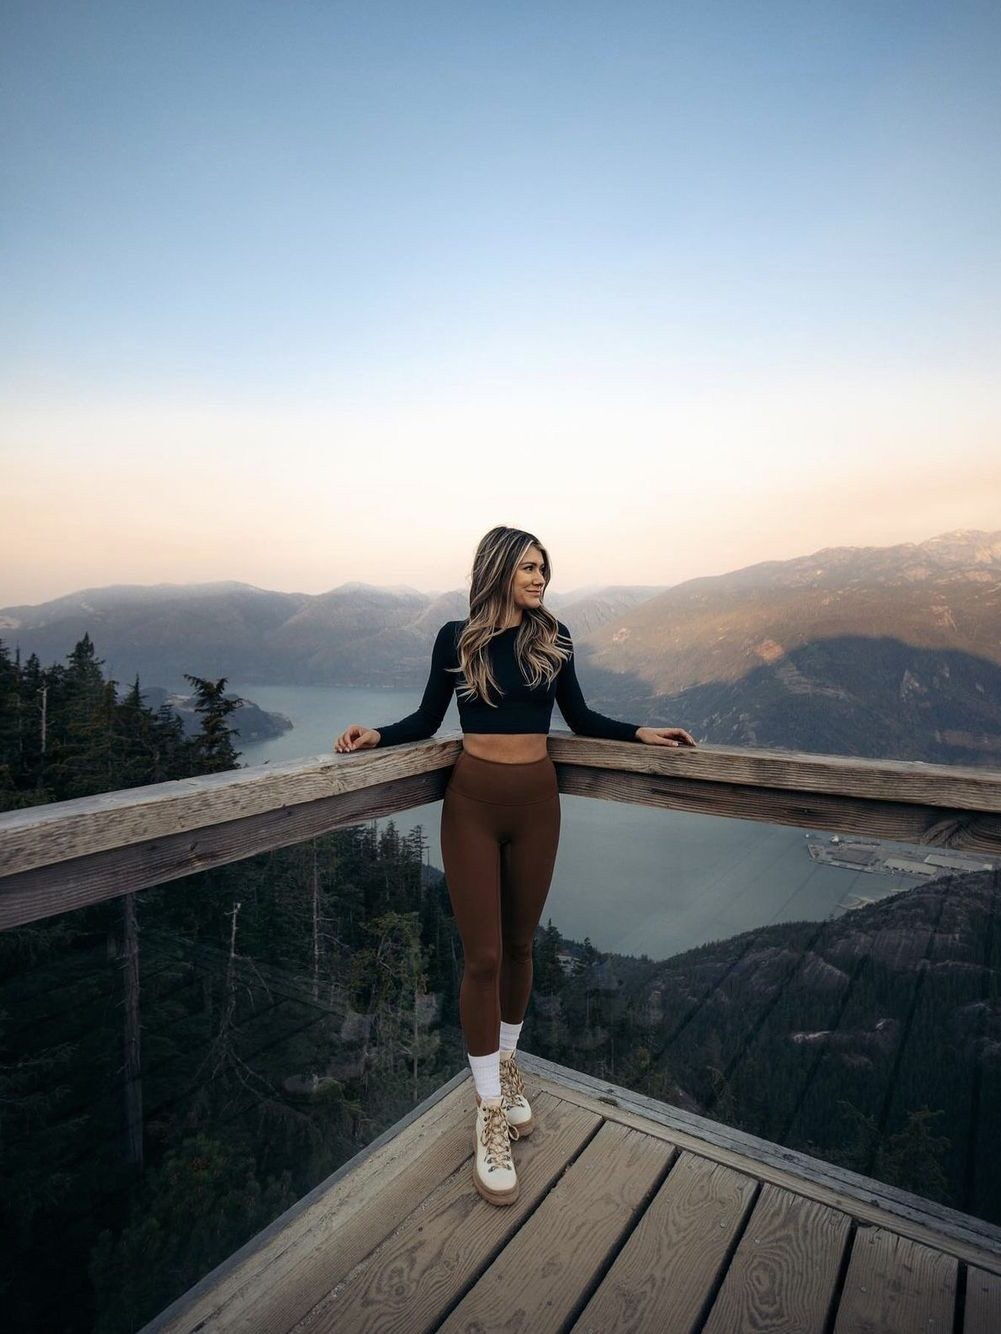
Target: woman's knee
{"x":518,"y":951}
{"x":482,"y":964}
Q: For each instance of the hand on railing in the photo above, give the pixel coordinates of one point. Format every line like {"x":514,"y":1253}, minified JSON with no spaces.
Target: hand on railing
{"x":661,"y":736}
{"x":357,"y":737}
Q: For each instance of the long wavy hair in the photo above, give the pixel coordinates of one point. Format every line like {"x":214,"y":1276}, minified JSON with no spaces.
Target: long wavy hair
{"x":540,"y":649}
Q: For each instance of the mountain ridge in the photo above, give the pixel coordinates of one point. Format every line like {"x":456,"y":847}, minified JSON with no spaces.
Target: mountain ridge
{"x":892,"y":651}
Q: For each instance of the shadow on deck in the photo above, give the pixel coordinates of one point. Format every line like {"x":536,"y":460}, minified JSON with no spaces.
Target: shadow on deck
{"x":632,"y":1215}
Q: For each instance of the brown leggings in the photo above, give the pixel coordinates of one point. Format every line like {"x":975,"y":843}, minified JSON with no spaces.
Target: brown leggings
{"x":500,"y":827}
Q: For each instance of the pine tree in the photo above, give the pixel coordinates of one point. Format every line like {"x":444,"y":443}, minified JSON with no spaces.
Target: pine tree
{"x":547,"y":973}
{"x":912,"y":1157}
{"x":213,"y":747}
{"x":78,"y":744}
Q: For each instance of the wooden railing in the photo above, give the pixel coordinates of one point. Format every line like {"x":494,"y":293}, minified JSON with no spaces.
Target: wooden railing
{"x":69,"y":854}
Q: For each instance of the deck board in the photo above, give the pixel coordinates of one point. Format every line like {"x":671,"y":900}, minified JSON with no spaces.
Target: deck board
{"x":632,"y":1216}
{"x":784,"y":1272}
{"x":676,"y":1255}
{"x":896,"y":1286}
{"x":442,"y":1248}
{"x":537,"y":1281}
{"x":983,"y":1302}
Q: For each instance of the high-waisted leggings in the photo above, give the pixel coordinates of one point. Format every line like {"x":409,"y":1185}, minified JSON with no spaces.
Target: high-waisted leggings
{"x":500,"y":828}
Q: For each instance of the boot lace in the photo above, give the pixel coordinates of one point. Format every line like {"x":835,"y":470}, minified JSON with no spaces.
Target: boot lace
{"x":512,"y":1083}
{"x":496,"y":1137}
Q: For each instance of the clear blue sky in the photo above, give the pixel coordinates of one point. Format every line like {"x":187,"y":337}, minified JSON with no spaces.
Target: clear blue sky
{"x":213,"y":207}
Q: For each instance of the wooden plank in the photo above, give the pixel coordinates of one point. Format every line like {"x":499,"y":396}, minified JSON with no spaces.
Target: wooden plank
{"x":963,"y":787}
{"x":784,"y":1272}
{"x":442,"y":1248}
{"x":64,"y":830}
{"x":63,"y":886}
{"x":904,"y":819}
{"x":982,"y":1306}
{"x":896,"y":1286}
{"x":968,"y":1238}
{"x":342,"y":1237}
{"x":63,"y":883}
{"x":659,"y":1281}
{"x":402,"y":1163}
{"x":537,"y":1281}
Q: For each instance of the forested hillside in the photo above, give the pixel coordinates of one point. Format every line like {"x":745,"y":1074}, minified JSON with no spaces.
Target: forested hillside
{"x":179,"y":1065}
{"x":872,"y":1039}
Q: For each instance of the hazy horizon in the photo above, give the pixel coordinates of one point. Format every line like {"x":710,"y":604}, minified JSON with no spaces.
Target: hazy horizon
{"x":564,"y":591}
{"x":300,"y":296}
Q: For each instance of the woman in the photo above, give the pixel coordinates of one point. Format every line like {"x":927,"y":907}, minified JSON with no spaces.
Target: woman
{"x":500,"y":818}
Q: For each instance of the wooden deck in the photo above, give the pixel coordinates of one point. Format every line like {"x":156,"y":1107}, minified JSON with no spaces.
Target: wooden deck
{"x":633,"y":1215}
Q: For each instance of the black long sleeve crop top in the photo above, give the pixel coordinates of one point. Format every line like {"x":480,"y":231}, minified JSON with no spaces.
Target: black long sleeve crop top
{"x":520,"y":709}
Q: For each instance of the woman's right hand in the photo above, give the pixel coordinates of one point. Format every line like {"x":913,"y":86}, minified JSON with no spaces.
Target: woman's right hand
{"x":357,"y":737}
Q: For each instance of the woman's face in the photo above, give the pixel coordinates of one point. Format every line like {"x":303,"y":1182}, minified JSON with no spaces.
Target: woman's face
{"x":530,"y":579}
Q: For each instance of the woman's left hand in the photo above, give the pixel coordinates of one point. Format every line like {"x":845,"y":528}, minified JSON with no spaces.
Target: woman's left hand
{"x":663,"y":736}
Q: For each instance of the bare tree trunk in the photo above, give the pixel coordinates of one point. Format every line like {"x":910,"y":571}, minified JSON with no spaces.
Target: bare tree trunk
{"x":316,"y":925}
{"x":231,"y":970}
{"x":415,"y":1033}
{"x":133,"y":1063}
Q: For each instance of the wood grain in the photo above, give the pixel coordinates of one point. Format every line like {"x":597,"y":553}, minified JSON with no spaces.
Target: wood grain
{"x":313,"y":1244}
{"x":677,"y":1254}
{"x":982,"y":1307}
{"x":62,"y":886}
{"x":68,"y":854}
{"x":62,"y":830}
{"x":896,"y":1286}
{"x":864,"y":1198}
{"x":784,"y":1273}
{"x":440,"y":1250}
{"x":878,"y":817}
{"x":620,"y":1225}
{"x":537,"y":1281}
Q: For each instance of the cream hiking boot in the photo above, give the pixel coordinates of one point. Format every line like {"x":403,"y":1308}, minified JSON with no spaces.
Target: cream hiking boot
{"x":516,"y":1105}
{"x":493,"y":1166}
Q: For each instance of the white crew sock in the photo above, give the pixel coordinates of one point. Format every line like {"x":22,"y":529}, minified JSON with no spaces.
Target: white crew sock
{"x":486,"y":1074}
{"x":509,"y":1034}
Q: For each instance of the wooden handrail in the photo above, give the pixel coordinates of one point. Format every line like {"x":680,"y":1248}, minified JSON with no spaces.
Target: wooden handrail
{"x":70,"y":853}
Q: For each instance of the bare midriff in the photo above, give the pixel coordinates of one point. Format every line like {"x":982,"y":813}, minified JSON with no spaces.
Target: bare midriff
{"x":513,"y":748}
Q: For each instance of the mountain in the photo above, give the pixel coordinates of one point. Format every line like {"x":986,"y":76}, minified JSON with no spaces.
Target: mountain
{"x":822,"y":1036}
{"x":356,"y":634}
{"x":160,"y":631}
{"x":873,"y":651}
{"x":940,"y":594}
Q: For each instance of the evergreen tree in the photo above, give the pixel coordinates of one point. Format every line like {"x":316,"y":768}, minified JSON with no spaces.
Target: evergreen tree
{"x":547,"y":974}
{"x":78,"y":725}
{"x":912,"y":1157}
{"x":202,"y":1204}
{"x":152,"y":746}
{"x":213,"y":748}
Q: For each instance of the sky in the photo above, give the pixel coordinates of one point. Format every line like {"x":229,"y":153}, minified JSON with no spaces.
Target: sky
{"x":310,"y":292}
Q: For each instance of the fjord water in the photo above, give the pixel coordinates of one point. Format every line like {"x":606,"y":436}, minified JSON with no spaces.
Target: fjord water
{"x":636,"y":880}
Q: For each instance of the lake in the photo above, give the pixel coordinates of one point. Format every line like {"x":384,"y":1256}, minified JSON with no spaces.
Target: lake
{"x":635,"y":879}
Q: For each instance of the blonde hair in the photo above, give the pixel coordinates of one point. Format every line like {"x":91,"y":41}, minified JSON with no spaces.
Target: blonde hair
{"x":540,"y":649}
